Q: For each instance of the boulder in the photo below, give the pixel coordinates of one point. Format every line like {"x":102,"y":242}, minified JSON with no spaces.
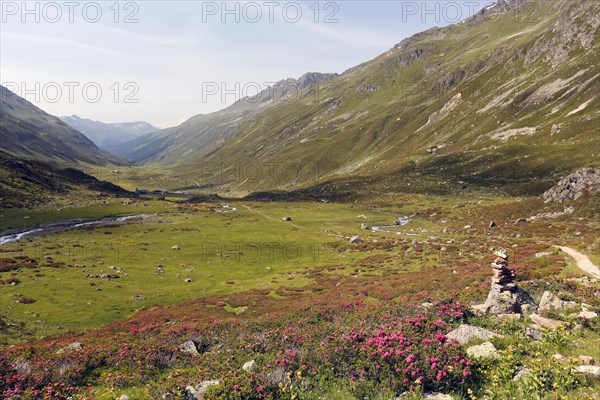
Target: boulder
{"x":480,"y":309}
{"x":533,"y":333}
{"x":248,"y":366}
{"x":197,"y":392}
{"x":592,"y":370}
{"x":356,"y":239}
{"x":75,"y":346}
{"x":543,"y":254}
{"x":286,"y":218}
{"x":509,"y":299}
{"x":188,"y":280}
{"x":587,"y":315}
{"x":189,"y":347}
{"x":509,"y":317}
{"x":547,"y":323}
{"x":551,"y":302}
{"x":427,"y":395}
{"x":521,"y":373}
{"x":586,"y":360}
{"x":484,"y":350}
{"x":492,"y":224}
{"x":467,"y":333}
{"x":437,"y":396}
{"x":520,"y":221}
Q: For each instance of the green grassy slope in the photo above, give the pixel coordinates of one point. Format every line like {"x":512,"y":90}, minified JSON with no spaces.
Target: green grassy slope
{"x":204,"y":133}
{"x":528,"y":110}
{"x":25,"y":183}
{"x":28,"y":132}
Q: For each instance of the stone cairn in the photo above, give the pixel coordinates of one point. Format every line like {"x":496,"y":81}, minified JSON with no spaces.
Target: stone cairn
{"x":503,"y":277}
{"x":505,"y":296}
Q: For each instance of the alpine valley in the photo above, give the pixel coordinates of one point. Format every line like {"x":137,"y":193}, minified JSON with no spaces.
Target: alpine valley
{"x":424,"y":225}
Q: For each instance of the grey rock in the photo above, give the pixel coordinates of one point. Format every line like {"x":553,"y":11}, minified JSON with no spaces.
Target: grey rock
{"x":533,"y":333}
{"x":356,"y":239}
{"x":197,"y":392}
{"x":587,"y":315}
{"x":521,"y":373}
{"x":480,"y":309}
{"x":584,"y":181}
{"x":429,"y":396}
{"x":22,"y":366}
{"x":547,"y":323}
{"x":509,"y":299}
{"x":484,"y":350}
{"x":189,"y":347}
{"x":591,"y":370}
{"x":551,"y":302}
{"x":467,"y":333}
{"x":587,"y":360}
{"x":437,"y":396}
{"x":248,"y":366}
{"x":509,"y":317}
{"x":75,"y":346}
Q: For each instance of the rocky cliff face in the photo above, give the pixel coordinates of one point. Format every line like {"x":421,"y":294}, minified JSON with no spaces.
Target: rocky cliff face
{"x":583,"y":182}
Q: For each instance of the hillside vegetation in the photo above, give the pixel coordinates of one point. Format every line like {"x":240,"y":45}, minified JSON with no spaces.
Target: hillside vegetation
{"x":509,"y":97}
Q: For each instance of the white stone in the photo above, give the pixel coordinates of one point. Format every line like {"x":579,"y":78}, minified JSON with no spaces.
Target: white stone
{"x":484,"y":350}
{"x":248,"y":366}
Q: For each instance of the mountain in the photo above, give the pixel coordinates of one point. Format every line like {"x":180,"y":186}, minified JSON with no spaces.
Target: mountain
{"x":24,"y":183}
{"x":508,"y":98}
{"x":204,"y":133}
{"x":108,"y":136}
{"x":28,"y":132}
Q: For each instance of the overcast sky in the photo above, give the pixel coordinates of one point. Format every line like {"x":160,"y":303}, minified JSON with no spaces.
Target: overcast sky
{"x":163,"y":62}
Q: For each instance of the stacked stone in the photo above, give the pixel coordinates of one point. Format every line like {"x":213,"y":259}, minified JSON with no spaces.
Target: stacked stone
{"x":505,"y":297}
{"x":504,"y":277}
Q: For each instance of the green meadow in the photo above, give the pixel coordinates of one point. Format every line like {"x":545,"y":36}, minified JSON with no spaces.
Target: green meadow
{"x":223,"y":248}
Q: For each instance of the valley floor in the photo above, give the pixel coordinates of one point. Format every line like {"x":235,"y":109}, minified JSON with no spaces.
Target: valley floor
{"x":316,"y":312}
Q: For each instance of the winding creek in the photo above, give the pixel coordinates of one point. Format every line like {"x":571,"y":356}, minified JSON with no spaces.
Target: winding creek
{"x":9,"y":237}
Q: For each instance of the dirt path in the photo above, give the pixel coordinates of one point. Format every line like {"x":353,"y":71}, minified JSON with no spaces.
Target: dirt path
{"x":583,"y":262}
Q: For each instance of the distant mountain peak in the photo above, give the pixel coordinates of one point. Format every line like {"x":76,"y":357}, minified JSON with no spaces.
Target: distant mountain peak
{"x":108,"y":136}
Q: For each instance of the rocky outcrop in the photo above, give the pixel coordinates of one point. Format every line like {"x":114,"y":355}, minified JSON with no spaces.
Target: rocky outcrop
{"x":583,"y":182}
{"x":446,"y":109}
